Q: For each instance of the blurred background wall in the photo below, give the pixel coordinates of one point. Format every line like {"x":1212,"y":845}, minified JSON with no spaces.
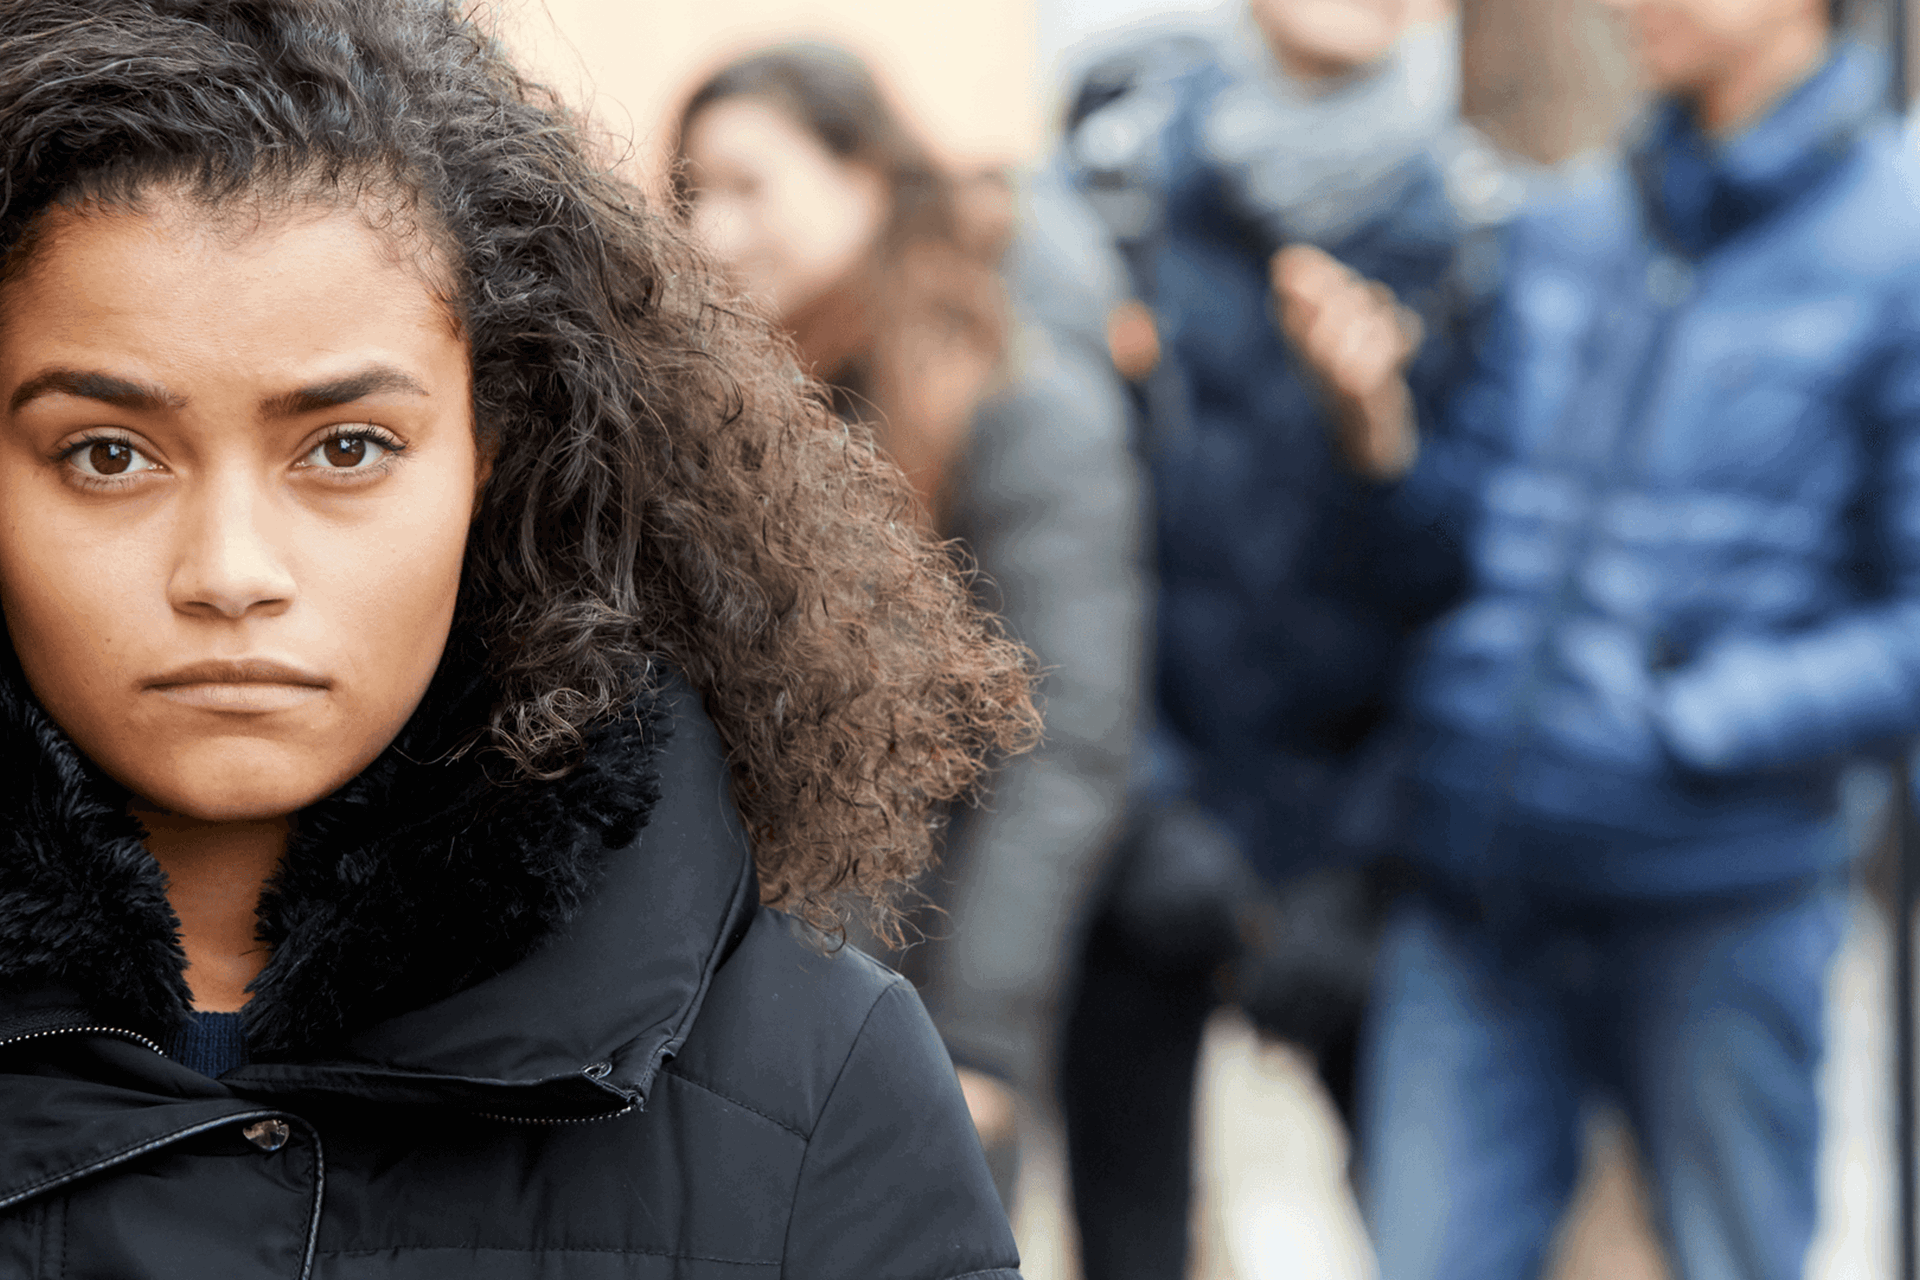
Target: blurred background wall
{"x":1546,"y":79}
{"x":967,"y":73}
{"x":985,"y":79}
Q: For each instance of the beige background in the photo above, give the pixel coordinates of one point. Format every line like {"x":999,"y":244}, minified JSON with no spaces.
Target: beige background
{"x":965,"y":72}
{"x":981,"y":78}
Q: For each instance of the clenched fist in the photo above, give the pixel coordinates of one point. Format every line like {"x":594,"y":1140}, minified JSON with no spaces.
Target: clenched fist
{"x":1358,"y":340}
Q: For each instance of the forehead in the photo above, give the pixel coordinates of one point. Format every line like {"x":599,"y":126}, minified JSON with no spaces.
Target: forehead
{"x":754,"y":133}
{"x":251,"y":221}
{"x":189,"y":291}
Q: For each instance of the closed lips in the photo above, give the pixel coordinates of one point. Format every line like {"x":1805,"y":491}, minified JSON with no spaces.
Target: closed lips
{"x":240,"y":671}
{"x":251,"y":686}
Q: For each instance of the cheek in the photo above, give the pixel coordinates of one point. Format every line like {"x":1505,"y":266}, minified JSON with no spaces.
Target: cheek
{"x":722,"y":224}
{"x":71,"y":597}
{"x":761,"y":244}
{"x":816,"y":235}
{"x":389,"y":586}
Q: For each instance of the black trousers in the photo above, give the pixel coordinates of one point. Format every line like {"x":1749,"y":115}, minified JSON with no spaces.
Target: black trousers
{"x":1132,"y":1044}
{"x":1128,"y":1064}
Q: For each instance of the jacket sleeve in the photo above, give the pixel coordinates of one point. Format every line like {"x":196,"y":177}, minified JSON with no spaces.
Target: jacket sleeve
{"x":1051,"y":508}
{"x":1851,"y":684}
{"x":893,"y":1185}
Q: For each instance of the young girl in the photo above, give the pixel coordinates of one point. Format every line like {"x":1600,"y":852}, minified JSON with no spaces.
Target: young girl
{"x":436,"y":624}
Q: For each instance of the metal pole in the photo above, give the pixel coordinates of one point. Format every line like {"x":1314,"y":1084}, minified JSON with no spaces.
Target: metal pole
{"x":1906,"y":835}
{"x":1906,"y":851}
{"x":1900,"y":81}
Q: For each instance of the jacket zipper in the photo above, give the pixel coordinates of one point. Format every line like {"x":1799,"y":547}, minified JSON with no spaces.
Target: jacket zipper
{"x":632,"y":1105}
{"x":120,"y":1032}
{"x":137,"y":1038}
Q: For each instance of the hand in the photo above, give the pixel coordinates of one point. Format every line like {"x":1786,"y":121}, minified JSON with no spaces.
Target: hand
{"x":990,"y":1103}
{"x":1357,"y":340}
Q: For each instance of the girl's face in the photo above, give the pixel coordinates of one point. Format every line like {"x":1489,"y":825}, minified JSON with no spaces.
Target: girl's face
{"x":785,"y":216}
{"x":237,"y":466}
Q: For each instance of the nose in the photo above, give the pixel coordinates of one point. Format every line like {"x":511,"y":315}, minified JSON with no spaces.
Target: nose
{"x":228,"y":562}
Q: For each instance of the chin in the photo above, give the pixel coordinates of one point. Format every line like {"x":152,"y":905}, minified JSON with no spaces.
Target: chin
{"x":1670,"y":64}
{"x":1664,"y":75}
{"x":237,"y":782}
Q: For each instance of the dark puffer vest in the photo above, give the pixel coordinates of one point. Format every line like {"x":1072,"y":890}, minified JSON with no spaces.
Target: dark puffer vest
{"x":540,"y":1031}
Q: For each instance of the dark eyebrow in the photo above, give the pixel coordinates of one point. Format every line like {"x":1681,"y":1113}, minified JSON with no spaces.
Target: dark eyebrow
{"x":345,"y":390}
{"x":121,"y":393}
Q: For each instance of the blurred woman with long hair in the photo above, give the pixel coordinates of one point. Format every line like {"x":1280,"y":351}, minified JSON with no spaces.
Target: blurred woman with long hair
{"x":887,"y":271}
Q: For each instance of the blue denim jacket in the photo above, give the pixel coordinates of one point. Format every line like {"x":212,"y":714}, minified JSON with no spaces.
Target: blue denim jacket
{"x":1684,"y":469}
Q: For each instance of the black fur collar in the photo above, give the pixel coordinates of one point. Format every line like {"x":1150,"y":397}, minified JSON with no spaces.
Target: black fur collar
{"x":415,"y":880}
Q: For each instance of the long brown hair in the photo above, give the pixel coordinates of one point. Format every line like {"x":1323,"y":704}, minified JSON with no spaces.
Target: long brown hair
{"x":913,"y":336}
{"x":667,"y":487}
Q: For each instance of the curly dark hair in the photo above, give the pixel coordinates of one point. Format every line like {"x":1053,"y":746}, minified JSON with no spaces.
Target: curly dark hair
{"x":666,"y":486}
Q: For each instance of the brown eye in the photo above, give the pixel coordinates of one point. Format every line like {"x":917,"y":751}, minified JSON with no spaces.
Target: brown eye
{"x":356,"y":452}
{"x":344,"y":451}
{"x":107,"y":458}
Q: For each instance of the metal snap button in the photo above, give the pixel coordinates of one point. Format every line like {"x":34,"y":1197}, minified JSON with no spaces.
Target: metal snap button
{"x":268,"y":1135}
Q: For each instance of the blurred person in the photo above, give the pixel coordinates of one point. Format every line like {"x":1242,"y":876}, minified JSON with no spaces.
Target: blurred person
{"x":1014,"y":431}
{"x":1331,"y":122}
{"x":1683,"y":465}
{"x":441,"y":632}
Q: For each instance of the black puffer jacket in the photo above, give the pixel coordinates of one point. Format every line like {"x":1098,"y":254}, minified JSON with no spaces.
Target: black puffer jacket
{"x":541,"y":1032}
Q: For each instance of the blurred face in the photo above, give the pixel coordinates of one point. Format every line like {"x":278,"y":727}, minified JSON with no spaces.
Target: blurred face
{"x":237,"y":468}
{"x":1688,"y":47}
{"x":787,"y":217}
{"x":1324,"y":38}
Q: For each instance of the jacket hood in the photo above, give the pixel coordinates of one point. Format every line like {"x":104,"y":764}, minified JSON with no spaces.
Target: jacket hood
{"x":435,"y":936}
{"x":1700,"y":191}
